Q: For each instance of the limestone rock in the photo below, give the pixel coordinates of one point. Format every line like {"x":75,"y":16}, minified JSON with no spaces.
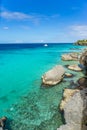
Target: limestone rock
{"x":53,"y":76}
{"x":83,"y":59}
{"x":66,"y":127}
{"x":74,"y":67}
{"x":70,"y":56}
{"x":68,"y":75}
{"x":75,"y":112}
{"x":68,"y":93}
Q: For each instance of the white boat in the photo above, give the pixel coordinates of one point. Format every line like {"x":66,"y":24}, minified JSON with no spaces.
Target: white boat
{"x":45,"y":45}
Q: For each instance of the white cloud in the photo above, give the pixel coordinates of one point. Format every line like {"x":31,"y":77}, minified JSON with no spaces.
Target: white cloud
{"x":79,"y":27}
{"x":18,"y":16}
{"x":79,"y":30}
{"x":5,"y":28}
{"x":15,"y":15}
{"x":33,"y":17}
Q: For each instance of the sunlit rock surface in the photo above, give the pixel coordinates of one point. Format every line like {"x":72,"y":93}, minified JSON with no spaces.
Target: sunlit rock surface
{"x":75,"y":112}
{"x":70,"y":56}
{"x":53,"y":76}
{"x":74,"y":67}
{"x":68,"y":93}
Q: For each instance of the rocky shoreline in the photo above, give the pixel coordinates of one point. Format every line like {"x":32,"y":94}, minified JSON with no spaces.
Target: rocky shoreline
{"x":58,"y":72}
{"x":74,"y":102}
{"x":81,"y":42}
{"x":75,"y":112}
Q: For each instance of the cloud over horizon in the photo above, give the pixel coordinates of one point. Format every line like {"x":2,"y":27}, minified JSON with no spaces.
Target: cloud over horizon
{"x":79,"y":30}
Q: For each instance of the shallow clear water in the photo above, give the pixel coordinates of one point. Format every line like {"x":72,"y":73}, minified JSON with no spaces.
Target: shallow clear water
{"x":22,"y":99}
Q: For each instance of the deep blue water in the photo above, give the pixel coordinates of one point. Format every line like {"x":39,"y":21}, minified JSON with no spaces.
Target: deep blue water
{"x":11,"y":46}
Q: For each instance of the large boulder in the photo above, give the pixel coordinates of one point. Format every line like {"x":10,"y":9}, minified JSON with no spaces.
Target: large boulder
{"x":70,"y":56}
{"x":53,"y":76}
{"x":74,"y":67}
{"x":83,"y":62}
{"x":68,"y":93}
{"x":83,"y":59}
{"x":75,"y":112}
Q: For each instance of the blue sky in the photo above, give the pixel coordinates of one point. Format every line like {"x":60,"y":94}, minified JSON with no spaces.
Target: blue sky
{"x":43,"y":20}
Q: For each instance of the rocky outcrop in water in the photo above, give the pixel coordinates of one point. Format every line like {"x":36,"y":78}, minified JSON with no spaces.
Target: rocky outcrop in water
{"x":75,"y":105}
{"x":83,"y":59}
{"x":74,"y":67}
{"x":68,"y":93}
{"x":75,"y":112}
{"x":81,"y":42}
{"x":53,"y":76}
{"x":68,"y":75}
{"x":70,"y":56}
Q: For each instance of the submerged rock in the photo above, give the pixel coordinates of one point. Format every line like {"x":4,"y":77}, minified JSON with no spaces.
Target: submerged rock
{"x":70,"y":56}
{"x":53,"y":76}
{"x":68,"y":75}
{"x":74,"y":67}
{"x":2,"y":123}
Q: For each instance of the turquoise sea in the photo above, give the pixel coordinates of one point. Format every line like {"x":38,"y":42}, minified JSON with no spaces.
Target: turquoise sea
{"x":27,"y":104}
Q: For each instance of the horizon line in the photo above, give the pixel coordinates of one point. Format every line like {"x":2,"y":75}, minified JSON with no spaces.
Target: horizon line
{"x":36,"y":43}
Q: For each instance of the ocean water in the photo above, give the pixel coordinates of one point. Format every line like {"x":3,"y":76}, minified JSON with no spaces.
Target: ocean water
{"x":27,"y":104}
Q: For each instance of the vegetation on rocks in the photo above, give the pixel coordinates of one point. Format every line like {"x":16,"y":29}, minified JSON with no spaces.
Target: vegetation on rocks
{"x":81,"y":42}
